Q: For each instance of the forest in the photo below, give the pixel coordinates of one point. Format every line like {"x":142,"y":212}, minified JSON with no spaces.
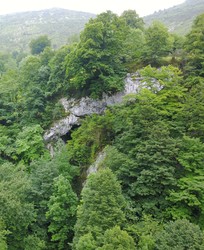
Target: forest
{"x":148,"y":191}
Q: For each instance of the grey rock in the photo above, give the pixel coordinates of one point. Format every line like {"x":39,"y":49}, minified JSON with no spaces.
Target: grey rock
{"x":77,"y":109}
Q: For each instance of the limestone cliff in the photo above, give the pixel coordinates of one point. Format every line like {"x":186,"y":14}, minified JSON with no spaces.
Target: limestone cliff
{"x":77,"y":109}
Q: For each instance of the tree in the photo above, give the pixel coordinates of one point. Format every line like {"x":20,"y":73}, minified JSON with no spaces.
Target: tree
{"x":132,"y":19}
{"x":145,"y":148}
{"x":134,"y":44}
{"x":193,"y":108}
{"x":3,"y":234}
{"x":29,"y":144}
{"x":187,"y":198}
{"x":144,"y":232}
{"x":16,"y":212}
{"x":39,"y":44}
{"x":115,"y":238}
{"x":57,"y":83}
{"x":95,"y":66}
{"x":44,"y":177}
{"x":32,"y":242}
{"x":86,"y":242}
{"x":158,"y":44}
{"x":83,"y":148}
{"x":61,"y":212}
{"x":180,"y":235}
{"x":194,"y":46}
{"x":177,"y":51}
{"x":101,"y":206}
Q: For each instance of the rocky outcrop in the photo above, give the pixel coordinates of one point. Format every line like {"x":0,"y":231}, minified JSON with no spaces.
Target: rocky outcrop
{"x":77,"y":109}
{"x":93,"y":168}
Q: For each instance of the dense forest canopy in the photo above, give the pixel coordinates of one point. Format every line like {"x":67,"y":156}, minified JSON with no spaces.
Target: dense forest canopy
{"x":149,"y":187}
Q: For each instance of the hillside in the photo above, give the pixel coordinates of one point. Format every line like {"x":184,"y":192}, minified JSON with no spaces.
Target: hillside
{"x":180,"y":17}
{"x":59,"y":24}
{"x":94,"y":157}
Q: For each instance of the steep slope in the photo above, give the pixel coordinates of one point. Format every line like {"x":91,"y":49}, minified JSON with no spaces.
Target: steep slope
{"x":180,"y":17}
{"x":59,"y":24}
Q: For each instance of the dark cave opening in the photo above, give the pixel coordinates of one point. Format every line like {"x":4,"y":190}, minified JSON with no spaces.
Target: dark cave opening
{"x":68,"y":135}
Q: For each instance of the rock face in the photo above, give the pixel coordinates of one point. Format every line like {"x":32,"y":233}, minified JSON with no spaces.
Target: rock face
{"x":77,"y":109}
{"x":95,"y":166}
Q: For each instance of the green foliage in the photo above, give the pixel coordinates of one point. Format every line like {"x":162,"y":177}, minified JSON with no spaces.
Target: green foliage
{"x":32,"y":242}
{"x":86,"y":242}
{"x":177,"y":52}
{"x":195,"y":47}
{"x":101,"y":208}
{"x":29,"y":144}
{"x":9,"y":97}
{"x":158,"y":44}
{"x":94,"y":67}
{"x":115,"y":238}
{"x":82,"y":149}
{"x":43,"y":174}
{"x":152,"y":142}
{"x":179,"y":18}
{"x":180,"y":235}
{"x":192,"y":115}
{"x":188,"y":198}
{"x":145,"y":231}
{"x":144,"y":156}
{"x":134,"y":43}
{"x":57,"y":77}
{"x":15,"y":210}
{"x":3,"y":234}
{"x":132,"y":19}
{"x":61,"y":212}
{"x":39,"y":44}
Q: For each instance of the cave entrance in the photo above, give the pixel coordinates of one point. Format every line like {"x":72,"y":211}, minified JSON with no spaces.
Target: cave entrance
{"x":68,"y":135}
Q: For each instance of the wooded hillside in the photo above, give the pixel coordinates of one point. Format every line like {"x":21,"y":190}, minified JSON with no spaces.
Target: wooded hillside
{"x":147,"y":191}
{"x":179,"y":18}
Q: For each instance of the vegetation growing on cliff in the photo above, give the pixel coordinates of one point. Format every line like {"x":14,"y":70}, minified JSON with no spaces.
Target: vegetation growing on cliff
{"x":149,"y":186}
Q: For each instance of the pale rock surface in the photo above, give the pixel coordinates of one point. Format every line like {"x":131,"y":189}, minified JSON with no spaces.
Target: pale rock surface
{"x":77,"y":109}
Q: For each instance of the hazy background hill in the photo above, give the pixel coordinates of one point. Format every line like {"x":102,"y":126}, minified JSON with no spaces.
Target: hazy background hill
{"x":62,"y":26}
{"x":59,"y":24}
{"x":180,"y":17}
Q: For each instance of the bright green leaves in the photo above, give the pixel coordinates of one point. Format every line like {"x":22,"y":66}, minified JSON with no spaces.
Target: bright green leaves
{"x":115,"y":238}
{"x":95,"y":66}
{"x":170,"y":97}
{"x":15,"y":211}
{"x":132,"y":19}
{"x":158,"y":44}
{"x":83,"y":148}
{"x":86,"y":242}
{"x":29,"y":144}
{"x":191,"y":155}
{"x":54,"y":200}
{"x":61,"y":212}
{"x":195,"y":48}
{"x":193,"y":112}
{"x":56,"y":83}
{"x":188,"y":198}
{"x":101,"y":206}
{"x":180,"y":235}
{"x":3,"y":234}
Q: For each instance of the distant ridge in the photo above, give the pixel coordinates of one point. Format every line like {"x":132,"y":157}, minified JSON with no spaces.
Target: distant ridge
{"x":179,"y":18}
{"x":17,"y":30}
